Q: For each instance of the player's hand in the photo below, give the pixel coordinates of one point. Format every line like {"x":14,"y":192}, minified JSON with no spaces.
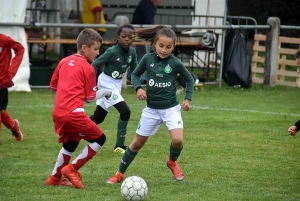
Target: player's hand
{"x":141,"y":94}
{"x":292,"y":130}
{"x":108,"y":96}
{"x":186,"y":105}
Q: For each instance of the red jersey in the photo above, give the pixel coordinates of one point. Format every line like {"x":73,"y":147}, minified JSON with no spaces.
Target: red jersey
{"x":8,"y":67}
{"x":74,"y":81}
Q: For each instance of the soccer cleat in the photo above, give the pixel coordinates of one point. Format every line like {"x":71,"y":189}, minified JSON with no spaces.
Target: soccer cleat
{"x":73,"y":175}
{"x":117,"y":178}
{"x":173,"y":165}
{"x":53,"y":181}
{"x":16,"y":131}
{"x":120,"y":149}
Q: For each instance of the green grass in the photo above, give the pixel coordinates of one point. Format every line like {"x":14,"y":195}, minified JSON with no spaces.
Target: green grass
{"x":236,"y":147}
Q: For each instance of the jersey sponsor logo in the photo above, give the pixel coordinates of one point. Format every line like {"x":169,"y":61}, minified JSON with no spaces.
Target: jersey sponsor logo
{"x":168,"y":69}
{"x":116,"y":74}
{"x":152,"y":83}
{"x":152,"y":65}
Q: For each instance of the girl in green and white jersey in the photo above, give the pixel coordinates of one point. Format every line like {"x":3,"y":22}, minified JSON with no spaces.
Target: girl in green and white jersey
{"x":163,"y":105}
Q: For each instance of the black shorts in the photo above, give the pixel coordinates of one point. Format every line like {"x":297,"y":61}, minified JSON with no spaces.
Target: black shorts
{"x":3,"y":98}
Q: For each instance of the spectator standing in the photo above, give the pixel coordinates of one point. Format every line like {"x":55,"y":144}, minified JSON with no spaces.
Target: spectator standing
{"x":8,"y":69}
{"x":145,"y":12}
{"x":92,"y":13}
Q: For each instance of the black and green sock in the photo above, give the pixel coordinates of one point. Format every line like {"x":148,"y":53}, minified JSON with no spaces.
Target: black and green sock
{"x":121,"y":132}
{"x":174,"y":153}
{"x":127,"y":158}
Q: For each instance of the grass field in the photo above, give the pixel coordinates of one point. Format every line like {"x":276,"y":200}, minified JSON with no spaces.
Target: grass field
{"x":236,"y":148}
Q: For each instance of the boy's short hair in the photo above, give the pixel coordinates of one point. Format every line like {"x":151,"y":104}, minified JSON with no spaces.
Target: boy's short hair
{"x":88,"y":37}
{"x":297,"y":55}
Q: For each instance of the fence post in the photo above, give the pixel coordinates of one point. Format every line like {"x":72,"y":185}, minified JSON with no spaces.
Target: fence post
{"x":271,"y":57}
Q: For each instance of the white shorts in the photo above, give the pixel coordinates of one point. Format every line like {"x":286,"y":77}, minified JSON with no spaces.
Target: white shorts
{"x":152,"y":119}
{"x":106,"y":82}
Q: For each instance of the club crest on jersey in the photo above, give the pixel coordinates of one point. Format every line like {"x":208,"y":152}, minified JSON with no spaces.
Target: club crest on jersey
{"x":168,"y":69}
{"x":139,"y":125}
{"x":115,"y":97}
{"x":129,"y":59}
{"x":152,"y":65}
{"x":118,"y":60}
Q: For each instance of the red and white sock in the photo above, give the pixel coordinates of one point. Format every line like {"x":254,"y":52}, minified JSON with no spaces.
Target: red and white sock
{"x":7,"y":120}
{"x":63,"y":159}
{"x":86,"y":154}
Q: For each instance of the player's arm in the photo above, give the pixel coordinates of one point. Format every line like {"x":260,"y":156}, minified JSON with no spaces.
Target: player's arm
{"x":134,"y":62}
{"x":297,"y":124}
{"x":16,"y":61}
{"x":292,"y":130}
{"x":102,"y":60}
{"x":136,"y":74}
{"x":91,"y":92}
{"x":188,"y":78}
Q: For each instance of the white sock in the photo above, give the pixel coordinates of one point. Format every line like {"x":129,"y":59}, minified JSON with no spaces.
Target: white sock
{"x":61,"y":160}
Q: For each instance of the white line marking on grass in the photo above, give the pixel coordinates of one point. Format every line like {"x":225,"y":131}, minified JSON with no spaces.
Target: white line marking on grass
{"x":197,"y":107}
{"x":241,"y":110}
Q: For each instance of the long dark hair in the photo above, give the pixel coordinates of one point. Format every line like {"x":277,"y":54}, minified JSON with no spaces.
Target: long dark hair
{"x":152,"y":34}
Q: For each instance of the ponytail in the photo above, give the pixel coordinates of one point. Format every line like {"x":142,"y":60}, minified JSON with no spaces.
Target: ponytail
{"x":151,"y":34}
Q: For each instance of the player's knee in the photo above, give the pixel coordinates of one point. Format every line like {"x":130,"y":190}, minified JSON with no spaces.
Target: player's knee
{"x":125,"y":116}
{"x":177,"y":143}
{"x":101,"y":140}
{"x":70,"y":146}
{"x":98,"y":119}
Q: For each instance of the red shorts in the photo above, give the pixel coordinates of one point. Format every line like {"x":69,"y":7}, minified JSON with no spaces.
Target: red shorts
{"x":76,"y":126}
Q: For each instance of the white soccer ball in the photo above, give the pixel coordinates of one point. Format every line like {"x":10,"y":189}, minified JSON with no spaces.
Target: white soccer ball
{"x":134,"y":188}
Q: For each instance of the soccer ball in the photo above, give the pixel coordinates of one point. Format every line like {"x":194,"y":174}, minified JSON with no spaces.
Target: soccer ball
{"x":134,"y":188}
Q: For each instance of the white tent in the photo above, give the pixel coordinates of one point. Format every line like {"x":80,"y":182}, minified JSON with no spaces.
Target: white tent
{"x":14,"y":11}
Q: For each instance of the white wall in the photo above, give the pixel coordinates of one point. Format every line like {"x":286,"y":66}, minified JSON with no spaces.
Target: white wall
{"x":215,"y":8}
{"x":14,"y":11}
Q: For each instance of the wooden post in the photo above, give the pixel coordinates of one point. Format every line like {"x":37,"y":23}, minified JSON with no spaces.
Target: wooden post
{"x":271,"y":57}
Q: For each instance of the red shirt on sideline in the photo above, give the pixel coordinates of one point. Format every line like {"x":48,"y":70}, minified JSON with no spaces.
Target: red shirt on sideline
{"x":8,"y":67}
{"x":74,"y":82}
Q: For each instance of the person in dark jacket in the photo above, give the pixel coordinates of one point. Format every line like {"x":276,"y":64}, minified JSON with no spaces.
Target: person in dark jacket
{"x":145,"y":12}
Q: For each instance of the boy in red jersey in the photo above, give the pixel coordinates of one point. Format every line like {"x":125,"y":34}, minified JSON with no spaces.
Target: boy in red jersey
{"x":8,"y":69}
{"x":74,"y":82}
